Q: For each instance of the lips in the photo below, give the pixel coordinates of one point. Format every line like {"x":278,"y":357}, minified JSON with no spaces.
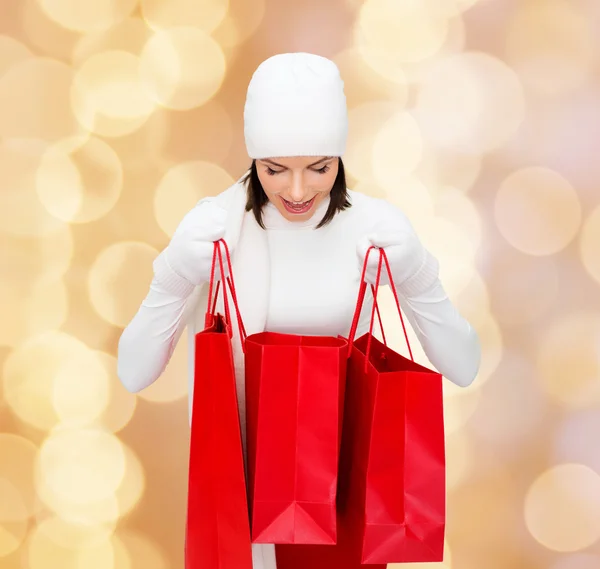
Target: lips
{"x":298,"y":209}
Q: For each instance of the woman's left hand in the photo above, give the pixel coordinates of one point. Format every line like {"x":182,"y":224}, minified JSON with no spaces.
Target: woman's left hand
{"x":404,"y":251}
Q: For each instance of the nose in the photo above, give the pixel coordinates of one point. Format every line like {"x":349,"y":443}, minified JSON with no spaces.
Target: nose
{"x":297,"y":192}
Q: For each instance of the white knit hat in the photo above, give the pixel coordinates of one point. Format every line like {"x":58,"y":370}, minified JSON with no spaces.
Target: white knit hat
{"x":296,"y":106}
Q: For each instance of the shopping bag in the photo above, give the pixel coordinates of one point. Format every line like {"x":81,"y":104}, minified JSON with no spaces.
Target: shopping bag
{"x":294,"y":413}
{"x":345,"y":554}
{"x":217,"y":528}
{"x":392,"y":490}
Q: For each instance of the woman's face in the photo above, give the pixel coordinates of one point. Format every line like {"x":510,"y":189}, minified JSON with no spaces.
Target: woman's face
{"x":296,"y":186}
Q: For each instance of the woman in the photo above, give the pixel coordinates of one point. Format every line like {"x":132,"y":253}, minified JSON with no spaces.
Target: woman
{"x":298,"y":238}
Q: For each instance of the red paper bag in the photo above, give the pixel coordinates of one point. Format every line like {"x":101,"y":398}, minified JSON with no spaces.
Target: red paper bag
{"x":294,"y":407}
{"x":393,"y":457}
{"x":345,"y":554}
{"x":217,"y":530}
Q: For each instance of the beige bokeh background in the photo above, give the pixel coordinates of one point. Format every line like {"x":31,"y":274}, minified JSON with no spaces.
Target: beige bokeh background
{"x":481,"y":119}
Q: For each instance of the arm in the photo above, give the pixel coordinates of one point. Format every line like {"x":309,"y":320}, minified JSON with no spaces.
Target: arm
{"x":450,"y":343}
{"x":148,"y":342}
{"x":448,"y":340}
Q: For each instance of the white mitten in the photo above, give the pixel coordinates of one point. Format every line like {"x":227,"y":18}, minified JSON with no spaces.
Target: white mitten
{"x":190,"y":252}
{"x":413,"y":267}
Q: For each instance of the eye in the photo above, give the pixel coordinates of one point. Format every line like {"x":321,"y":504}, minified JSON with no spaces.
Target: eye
{"x":271,"y":172}
{"x":323,"y":170}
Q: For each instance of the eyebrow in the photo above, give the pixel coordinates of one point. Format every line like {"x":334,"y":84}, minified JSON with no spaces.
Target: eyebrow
{"x":325,"y":158}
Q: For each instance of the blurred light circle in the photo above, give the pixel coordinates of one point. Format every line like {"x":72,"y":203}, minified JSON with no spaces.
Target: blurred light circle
{"x":97,"y":15}
{"x":12,"y":52}
{"x":573,"y":442}
{"x":412,"y":197}
{"x":79,"y":179}
{"x":38,"y":112}
{"x":12,"y":506}
{"x":454,"y":43}
{"x":514,"y":389}
{"x":448,"y":7}
{"x":459,"y":459}
{"x":12,"y":536}
{"x":589,"y":244}
{"x":43,"y":259}
{"x":469,"y":102}
{"x":104,"y":513}
{"x":562,"y":508}
{"x":71,"y":534}
{"x":80,"y":390}
{"x":43,"y":34}
{"x":241,"y":22}
{"x":143,"y":553}
{"x":31,"y":308}
{"x":121,"y":404}
{"x":460,"y":404}
{"x":537,"y":211}
{"x":132,"y":487}
{"x":16,"y":473}
{"x":107,"y":95}
{"x":577,"y":561}
{"x":492,"y":348}
{"x":182,"y":187}
{"x":456,"y":207}
{"x":363,"y":84}
{"x":21,"y":213}
{"x":182,"y":68}
{"x":523,"y":288}
{"x":119,"y":280}
{"x":129,"y":36}
{"x":205,"y":15}
{"x":365,"y":122}
{"x":442,"y":168}
{"x":397,"y":149}
{"x":568,"y":361}
{"x":399,"y":30}
{"x":551,"y":45}
{"x":473,"y":303}
{"x":30,"y":372}
{"x":205,"y":131}
{"x":173,"y":383}
{"x":41,"y":549}
{"x":82,"y":466}
{"x":455,"y":250}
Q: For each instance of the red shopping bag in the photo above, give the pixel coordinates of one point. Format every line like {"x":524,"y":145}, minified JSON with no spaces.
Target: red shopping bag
{"x":392,"y":491}
{"x":217,"y":530}
{"x":294,"y":412}
{"x":345,"y":554}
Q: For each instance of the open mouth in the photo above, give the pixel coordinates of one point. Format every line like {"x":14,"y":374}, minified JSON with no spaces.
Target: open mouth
{"x":300,"y":208}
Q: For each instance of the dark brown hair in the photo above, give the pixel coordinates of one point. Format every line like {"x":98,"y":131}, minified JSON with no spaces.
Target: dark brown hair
{"x":257,"y":198}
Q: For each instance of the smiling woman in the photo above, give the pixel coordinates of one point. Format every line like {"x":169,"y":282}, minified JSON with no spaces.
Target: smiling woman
{"x":297,"y":186}
{"x":293,"y":275}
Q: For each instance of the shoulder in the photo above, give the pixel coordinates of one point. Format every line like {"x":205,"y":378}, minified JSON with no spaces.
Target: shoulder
{"x":377,"y":214}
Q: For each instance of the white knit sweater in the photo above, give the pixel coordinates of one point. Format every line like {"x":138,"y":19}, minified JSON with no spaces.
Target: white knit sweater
{"x":294,"y":278}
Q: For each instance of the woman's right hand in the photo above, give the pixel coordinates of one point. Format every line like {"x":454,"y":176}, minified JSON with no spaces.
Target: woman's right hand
{"x":190,"y":252}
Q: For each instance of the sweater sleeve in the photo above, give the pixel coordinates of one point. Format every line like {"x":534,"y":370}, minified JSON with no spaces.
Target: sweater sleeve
{"x":147,"y":343}
{"x":448,"y":340}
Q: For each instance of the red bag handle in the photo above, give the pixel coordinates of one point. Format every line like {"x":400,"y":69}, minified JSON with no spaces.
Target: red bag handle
{"x":361,"y":297}
{"x":212,"y":300}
